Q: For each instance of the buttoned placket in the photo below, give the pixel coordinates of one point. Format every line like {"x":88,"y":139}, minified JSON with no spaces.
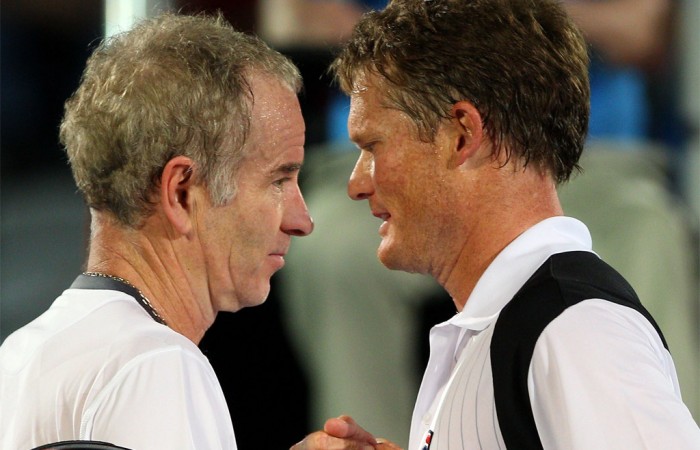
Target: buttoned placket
{"x":429,"y":420}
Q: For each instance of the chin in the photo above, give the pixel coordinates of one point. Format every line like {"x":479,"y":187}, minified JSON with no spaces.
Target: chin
{"x":398,"y":259}
{"x":391,"y":259}
{"x":247,"y":299}
{"x":258,"y":299}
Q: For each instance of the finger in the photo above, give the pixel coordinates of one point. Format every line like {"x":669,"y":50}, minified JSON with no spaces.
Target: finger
{"x":322,"y":441}
{"x":345,"y":427}
{"x":383,"y":444}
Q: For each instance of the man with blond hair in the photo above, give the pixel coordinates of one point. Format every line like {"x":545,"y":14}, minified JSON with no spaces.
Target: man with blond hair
{"x":468,"y":114}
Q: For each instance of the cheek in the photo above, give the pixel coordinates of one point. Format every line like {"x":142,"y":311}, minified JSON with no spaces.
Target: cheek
{"x":259,"y":225}
{"x":227,"y":231}
{"x":398,"y":188}
{"x":388,"y":176}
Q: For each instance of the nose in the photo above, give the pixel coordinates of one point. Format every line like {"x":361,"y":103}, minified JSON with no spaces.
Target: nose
{"x":297,"y":221}
{"x":360,"y":185}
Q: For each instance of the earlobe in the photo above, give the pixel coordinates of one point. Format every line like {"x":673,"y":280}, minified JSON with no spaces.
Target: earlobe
{"x":469,"y":131}
{"x":175,"y":190}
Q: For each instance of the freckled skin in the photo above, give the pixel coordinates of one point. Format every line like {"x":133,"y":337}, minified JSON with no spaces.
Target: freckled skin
{"x":406,"y":178}
{"x":450,"y":206}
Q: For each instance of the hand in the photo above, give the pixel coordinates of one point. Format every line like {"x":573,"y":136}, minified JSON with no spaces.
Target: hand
{"x":343,"y":433}
{"x":383,"y":444}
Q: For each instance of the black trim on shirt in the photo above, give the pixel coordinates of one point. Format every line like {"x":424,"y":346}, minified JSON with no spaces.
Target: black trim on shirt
{"x":564,"y":280}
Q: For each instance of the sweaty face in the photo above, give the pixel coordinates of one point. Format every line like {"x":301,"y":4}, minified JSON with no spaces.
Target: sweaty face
{"x":403,"y":178}
{"x":245,"y":241}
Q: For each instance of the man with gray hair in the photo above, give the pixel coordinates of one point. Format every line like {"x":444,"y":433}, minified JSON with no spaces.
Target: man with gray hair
{"x":185,"y":138}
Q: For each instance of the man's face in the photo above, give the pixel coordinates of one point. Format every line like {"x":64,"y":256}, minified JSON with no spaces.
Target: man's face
{"x":403,"y":178}
{"x":245,"y":240}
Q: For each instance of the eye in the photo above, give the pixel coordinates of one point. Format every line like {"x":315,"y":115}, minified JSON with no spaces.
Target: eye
{"x":369,"y":147}
{"x":279,"y":183}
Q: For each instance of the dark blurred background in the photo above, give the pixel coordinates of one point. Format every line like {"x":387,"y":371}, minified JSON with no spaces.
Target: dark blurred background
{"x":44,"y":223}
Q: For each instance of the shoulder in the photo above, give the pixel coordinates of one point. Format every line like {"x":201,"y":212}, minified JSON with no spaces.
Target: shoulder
{"x":158,"y":381}
{"x":119,"y":328}
{"x":84,"y":331}
{"x":597,"y":329}
{"x":131,"y":341}
{"x":600,"y":377}
{"x":559,"y":287}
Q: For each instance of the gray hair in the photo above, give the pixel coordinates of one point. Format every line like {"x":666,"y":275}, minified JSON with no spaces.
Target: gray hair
{"x":173,"y":85}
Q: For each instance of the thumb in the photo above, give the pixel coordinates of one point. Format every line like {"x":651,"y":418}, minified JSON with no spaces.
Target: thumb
{"x":346,"y":428}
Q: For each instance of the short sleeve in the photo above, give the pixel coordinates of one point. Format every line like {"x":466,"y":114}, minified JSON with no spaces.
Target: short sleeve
{"x":166,"y":398}
{"x":601,"y":378}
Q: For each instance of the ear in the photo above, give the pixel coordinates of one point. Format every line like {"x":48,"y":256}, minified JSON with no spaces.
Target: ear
{"x":176,"y":193}
{"x":468,"y":134}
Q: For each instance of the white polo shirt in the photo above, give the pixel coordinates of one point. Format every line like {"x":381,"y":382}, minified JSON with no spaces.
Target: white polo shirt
{"x":600,"y":377}
{"x":96,"y":366}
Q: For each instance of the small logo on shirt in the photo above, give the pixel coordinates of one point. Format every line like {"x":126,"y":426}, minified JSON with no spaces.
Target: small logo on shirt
{"x":428,"y":438}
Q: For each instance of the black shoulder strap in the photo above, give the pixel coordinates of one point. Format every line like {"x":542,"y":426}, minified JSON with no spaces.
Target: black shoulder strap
{"x":79,"y":445}
{"x":565,"y":279}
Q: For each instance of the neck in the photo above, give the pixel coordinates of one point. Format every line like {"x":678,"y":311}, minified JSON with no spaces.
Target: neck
{"x":525,"y":199}
{"x":146,"y":260}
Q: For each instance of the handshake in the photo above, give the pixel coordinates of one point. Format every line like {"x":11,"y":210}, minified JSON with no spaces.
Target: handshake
{"x":343,"y":433}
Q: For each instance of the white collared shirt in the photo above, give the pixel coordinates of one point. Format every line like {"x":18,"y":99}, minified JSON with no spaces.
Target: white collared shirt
{"x":599,"y":378}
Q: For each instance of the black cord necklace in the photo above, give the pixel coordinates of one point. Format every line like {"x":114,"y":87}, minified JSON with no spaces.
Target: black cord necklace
{"x":98,"y":280}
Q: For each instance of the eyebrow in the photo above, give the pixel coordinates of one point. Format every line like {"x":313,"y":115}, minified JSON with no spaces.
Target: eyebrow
{"x":358,"y":133}
{"x":364,"y":137}
{"x":287,"y":168}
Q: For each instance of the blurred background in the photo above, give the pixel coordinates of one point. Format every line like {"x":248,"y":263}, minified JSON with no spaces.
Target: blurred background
{"x":339,"y":333}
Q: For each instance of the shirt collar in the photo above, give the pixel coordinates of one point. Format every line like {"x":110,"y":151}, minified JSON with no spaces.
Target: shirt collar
{"x":515,"y":264}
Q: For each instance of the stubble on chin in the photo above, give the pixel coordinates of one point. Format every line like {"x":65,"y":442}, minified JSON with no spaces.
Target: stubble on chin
{"x":394,"y":257}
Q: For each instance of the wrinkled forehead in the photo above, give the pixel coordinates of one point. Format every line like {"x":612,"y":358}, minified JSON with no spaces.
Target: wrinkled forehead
{"x":276,"y":120}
